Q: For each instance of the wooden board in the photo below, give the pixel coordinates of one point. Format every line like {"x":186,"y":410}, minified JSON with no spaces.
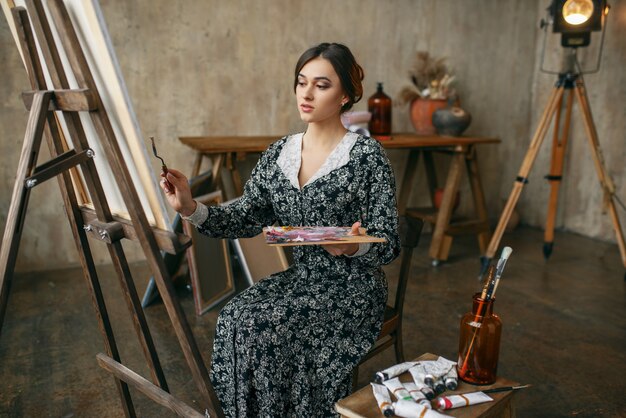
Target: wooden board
{"x":222,"y":144}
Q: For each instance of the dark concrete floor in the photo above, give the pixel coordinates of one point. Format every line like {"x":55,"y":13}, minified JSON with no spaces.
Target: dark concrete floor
{"x":564,"y":332}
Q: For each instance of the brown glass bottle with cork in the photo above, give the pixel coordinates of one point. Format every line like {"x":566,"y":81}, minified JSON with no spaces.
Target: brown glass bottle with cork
{"x":379,"y":105}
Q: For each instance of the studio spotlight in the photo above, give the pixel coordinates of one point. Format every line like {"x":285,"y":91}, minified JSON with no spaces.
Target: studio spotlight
{"x":576,"y":19}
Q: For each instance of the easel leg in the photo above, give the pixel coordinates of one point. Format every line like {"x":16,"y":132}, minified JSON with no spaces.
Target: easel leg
{"x":217,"y":162}
{"x":56,"y":147}
{"x":605,"y":180}
{"x":440,"y":244}
{"x":145,"y":235}
{"x":407,"y":181}
{"x":431,"y":175}
{"x":559,"y":146}
{"x":197,"y":164}
{"x":19,"y":199}
{"x":86,"y":260}
{"x":480,"y":206}
{"x":522,"y":176}
{"x":139,"y":319}
{"x":234,"y":174}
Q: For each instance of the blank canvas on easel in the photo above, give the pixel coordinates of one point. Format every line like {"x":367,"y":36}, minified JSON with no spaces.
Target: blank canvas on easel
{"x":94,"y":38}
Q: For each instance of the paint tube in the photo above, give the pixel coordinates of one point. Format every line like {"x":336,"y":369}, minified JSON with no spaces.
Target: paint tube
{"x":452,"y":379}
{"x":417,"y":394}
{"x":466,"y":399}
{"x":393,"y":371}
{"x":397,"y":389}
{"x":428,"y":376}
{"x":449,"y":374}
{"x":411,"y":409}
{"x":417,"y":372}
{"x":382,"y":399}
{"x":446,"y":364}
{"x":440,"y":385}
{"x":440,"y":367}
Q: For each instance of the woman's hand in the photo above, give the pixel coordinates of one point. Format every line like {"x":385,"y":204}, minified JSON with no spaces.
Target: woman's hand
{"x":345,"y":249}
{"x":177,"y":192}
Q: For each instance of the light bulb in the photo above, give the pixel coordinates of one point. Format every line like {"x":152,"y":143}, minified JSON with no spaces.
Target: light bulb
{"x":576,"y":12}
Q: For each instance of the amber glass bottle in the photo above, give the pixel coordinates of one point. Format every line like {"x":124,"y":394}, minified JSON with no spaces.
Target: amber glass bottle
{"x":379,"y":105}
{"x":479,"y":343}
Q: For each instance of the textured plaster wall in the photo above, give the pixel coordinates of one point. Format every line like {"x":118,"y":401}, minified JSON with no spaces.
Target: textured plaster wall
{"x":217,"y":67}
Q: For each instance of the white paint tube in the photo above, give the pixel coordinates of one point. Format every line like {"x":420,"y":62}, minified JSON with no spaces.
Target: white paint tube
{"x":411,"y":409}
{"x":466,"y":399}
{"x":440,"y":367}
{"x":427,"y":371}
{"x":418,"y":374}
{"x":447,"y":364}
{"x":417,"y":394}
{"x":398,"y":390}
{"x":393,"y":371}
{"x":382,"y":399}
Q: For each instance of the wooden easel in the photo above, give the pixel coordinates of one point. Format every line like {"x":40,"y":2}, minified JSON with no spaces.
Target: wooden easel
{"x":574,"y":84}
{"x":99,"y":223}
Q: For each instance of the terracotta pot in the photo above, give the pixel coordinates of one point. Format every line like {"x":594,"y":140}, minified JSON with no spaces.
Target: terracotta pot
{"x":422,"y":114}
{"x":439,"y":198}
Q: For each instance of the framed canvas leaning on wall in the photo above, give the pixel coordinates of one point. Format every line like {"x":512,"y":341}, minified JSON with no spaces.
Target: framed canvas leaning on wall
{"x":210,"y":270}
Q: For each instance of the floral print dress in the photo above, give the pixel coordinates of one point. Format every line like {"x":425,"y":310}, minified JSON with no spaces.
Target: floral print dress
{"x":287,"y":346}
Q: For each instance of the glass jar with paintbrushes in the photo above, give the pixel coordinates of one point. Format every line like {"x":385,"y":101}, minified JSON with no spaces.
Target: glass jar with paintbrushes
{"x":479,"y":340}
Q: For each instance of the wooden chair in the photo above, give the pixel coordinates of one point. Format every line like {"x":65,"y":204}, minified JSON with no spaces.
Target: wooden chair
{"x":391,"y":331}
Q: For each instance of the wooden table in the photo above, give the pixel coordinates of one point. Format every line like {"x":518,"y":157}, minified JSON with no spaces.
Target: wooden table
{"x":362,"y":404}
{"x":225,"y":151}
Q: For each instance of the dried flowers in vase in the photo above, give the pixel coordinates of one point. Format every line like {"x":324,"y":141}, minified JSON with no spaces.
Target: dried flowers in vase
{"x":430,"y":79}
{"x":430,"y":91}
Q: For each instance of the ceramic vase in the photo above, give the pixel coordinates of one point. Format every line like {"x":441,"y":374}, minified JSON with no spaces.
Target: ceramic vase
{"x":422,"y":114}
{"x":451,"y":121}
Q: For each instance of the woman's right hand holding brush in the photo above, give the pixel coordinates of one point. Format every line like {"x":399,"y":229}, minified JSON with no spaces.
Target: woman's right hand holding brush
{"x":179,"y":194}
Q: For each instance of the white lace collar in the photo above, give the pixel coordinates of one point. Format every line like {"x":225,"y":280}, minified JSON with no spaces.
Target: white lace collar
{"x":290,"y":157}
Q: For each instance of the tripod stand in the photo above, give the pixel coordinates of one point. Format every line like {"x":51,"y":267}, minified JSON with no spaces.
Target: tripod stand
{"x":575,"y":86}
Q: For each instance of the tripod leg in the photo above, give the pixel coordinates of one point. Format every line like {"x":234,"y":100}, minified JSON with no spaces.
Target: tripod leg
{"x":559,"y":146}
{"x":19,"y":199}
{"x":521,"y":179}
{"x":605,"y":179}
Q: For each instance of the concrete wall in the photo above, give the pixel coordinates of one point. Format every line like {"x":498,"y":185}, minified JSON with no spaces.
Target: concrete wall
{"x":217,"y":67}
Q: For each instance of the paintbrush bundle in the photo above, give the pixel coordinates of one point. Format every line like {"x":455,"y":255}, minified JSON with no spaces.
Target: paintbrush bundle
{"x":479,"y":340}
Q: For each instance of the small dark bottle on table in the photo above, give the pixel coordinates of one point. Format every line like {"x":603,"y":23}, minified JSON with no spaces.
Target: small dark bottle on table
{"x":379,"y":105}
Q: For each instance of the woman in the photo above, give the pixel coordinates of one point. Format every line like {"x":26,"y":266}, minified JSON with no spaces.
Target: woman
{"x":287,"y":346}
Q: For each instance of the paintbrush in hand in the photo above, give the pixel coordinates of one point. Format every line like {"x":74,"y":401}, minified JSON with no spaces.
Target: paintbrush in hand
{"x":168,"y":185}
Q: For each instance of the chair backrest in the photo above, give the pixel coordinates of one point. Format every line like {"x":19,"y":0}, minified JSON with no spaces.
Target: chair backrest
{"x":410,"y":230}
